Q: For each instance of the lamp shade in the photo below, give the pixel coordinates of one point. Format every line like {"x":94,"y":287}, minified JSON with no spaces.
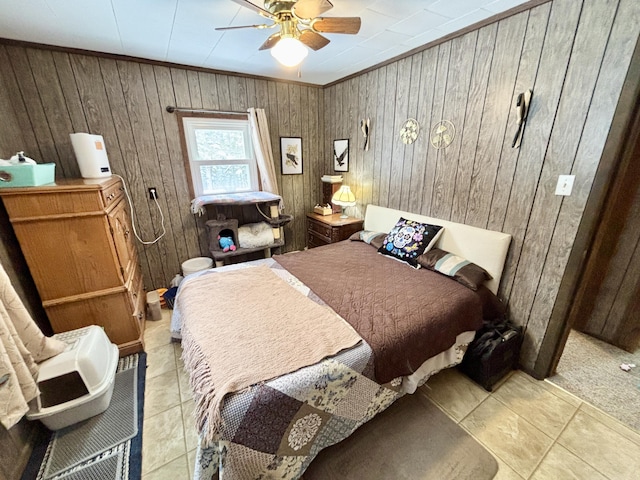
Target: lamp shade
{"x":289,"y":51}
{"x":344,"y":197}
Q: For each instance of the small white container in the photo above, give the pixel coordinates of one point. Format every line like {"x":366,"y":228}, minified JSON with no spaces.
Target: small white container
{"x":196,"y":264}
{"x":77,"y":383}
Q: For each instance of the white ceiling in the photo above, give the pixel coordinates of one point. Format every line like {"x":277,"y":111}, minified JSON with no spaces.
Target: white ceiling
{"x":182,"y":31}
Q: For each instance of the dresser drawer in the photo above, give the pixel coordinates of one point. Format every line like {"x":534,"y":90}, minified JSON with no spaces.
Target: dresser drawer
{"x":112,"y":194}
{"x":320,"y":228}
{"x":315,"y":240}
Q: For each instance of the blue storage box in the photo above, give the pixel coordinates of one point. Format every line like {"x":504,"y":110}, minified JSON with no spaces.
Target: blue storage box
{"x":28,"y":175}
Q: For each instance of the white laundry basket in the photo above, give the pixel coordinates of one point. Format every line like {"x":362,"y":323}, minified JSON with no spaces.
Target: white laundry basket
{"x":196,"y":264}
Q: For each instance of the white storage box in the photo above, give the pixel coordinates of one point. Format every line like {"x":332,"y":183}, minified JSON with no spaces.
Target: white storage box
{"x":77,"y":383}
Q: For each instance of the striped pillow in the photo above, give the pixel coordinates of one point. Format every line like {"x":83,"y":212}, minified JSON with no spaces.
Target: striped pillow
{"x":467,"y":273}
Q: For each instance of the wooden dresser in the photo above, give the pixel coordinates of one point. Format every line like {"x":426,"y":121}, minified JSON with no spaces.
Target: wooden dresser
{"x":77,"y":239}
{"x":326,"y":229}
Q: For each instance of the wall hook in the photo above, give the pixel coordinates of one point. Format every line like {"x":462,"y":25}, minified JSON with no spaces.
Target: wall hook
{"x":522,"y":110}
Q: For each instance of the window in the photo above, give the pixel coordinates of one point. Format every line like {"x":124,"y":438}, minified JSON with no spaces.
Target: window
{"x":221,"y":158}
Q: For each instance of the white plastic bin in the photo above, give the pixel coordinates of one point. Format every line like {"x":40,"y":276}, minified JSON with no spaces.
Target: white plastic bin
{"x":77,"y":383}
{"x":196,"y":264}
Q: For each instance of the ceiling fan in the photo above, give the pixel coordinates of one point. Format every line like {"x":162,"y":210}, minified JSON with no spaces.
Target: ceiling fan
{"x":300,"y":24}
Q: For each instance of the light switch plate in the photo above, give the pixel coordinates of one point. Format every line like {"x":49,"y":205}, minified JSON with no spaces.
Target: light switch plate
{"x":565,"y":184}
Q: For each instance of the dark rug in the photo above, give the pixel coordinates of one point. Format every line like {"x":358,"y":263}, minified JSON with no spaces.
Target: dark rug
{"x":106,"y":446}
{"x":411,"y":440}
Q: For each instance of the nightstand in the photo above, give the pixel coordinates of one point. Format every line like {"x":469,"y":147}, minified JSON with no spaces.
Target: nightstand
{"x":326,"y":229}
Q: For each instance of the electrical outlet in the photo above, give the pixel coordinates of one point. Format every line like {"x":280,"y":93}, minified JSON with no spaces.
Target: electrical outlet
{"x":153,"y":193}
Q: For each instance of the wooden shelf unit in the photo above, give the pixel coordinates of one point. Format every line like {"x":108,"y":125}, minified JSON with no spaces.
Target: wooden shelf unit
{"x":77,"y":239}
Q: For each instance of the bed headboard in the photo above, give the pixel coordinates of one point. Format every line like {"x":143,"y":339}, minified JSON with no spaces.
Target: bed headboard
{"x":486,"y":248}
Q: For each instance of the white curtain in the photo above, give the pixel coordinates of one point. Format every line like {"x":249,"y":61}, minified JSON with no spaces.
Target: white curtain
{"x":22,"y":344}
{"x":264,"y":152}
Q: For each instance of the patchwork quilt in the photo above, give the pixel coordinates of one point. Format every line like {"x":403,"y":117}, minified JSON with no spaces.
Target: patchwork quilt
{"x":276,"y":428}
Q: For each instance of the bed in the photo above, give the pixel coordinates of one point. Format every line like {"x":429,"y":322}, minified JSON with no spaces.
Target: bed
{"x":357,"y":340}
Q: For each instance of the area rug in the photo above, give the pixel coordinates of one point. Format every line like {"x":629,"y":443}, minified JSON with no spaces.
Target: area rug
{"x":590,"y":369}
{"x":106,"y":446}
{"x":411,"y":440}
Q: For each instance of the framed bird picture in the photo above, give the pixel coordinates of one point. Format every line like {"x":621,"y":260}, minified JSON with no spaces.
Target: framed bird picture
{"x":341,"y":155}
{"x":291,"y":155}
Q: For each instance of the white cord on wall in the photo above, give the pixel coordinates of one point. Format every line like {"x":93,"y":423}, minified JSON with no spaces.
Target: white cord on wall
{"x":133,"y":222}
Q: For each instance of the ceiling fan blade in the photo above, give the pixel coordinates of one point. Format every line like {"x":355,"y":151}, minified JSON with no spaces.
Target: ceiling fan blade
{"x":350,"y":25}
{"x":244,"y":26}
{"x":270,"y":42}
{"x":255,"y":8}
{"x":313,"y":39}
{"x":311,"y":8}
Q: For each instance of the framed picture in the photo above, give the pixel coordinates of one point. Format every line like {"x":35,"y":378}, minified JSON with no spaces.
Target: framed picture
{"x":291,"y":155}
{"x":341,"y":155}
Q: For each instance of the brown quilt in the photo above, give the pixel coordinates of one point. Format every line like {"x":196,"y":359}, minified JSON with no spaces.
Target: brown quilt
{"x":406,"y":315}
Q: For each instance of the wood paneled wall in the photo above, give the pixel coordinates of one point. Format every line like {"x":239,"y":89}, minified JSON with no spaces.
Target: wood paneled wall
{"x":574,"y":56}
{"x":45,"y":95}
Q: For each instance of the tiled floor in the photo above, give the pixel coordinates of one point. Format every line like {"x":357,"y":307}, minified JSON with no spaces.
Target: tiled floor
{"x":534,"y":429}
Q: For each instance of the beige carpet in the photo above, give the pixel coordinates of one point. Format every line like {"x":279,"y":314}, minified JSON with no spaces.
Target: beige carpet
{"x":411,"y":440}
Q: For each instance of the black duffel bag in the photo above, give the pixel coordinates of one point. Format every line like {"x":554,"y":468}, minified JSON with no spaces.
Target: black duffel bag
{"x":493,"y":353}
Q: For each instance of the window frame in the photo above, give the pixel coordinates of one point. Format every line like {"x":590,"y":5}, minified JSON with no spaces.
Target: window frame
{"x":191,"y":166}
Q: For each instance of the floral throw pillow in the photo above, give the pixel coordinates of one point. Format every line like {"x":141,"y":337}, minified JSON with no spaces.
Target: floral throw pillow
{"x":410,"y":239}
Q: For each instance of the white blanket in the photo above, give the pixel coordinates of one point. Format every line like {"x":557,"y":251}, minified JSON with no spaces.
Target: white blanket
{"x":22,"y":344}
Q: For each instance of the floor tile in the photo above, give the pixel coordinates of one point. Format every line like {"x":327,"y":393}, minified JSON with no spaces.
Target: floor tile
{"x":160,"y":360}
{"x":505,"y":472}
{"x":512,"y":438}
{"x":163,"y":439}
{"x":161,"y":393}
{"x":191,"y":462}
{"x":183,"y":384}
{"x":454,"y":392}
{"x":157,"y":333}
{"x":561,"y":463}
{"x":561,"y":392}
{"x":529,"y":399}
{"x":175,"y":470}
{"x":189,"y":422}
{"x":612,"y":423}
{"x":603,"y":448}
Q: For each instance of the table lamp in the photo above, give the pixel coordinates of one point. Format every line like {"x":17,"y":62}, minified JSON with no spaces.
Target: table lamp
{"x":345,"y":198}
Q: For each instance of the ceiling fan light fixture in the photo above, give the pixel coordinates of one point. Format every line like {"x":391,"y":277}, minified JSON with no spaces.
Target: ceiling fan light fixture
{"x":289,"y":51}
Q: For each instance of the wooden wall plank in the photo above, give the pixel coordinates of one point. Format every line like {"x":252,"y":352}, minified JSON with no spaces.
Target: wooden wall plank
{"x":473,"y":118}
{"x":173,"y":169}
{"x":123,"y":124}
{"x":619,"y":48}
{"x":554,"y":59}
{"x":437,"y":105}
{"x":388,"y":133}
{"x":209,"y":90}
{"x":376,"y":131}
{"x":409,"y":152}
{"x":73,"y":103}
{"x":504,"y":65}
{"x":398,"y":148}
{"x":455,"y":102}
{"x":55,"y":109}
{"x":34,"y":109}
{"x":527,"y":73}
{"x":584,"y":65}
{"x":423,"y":115}
{"x":11,"y":139}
